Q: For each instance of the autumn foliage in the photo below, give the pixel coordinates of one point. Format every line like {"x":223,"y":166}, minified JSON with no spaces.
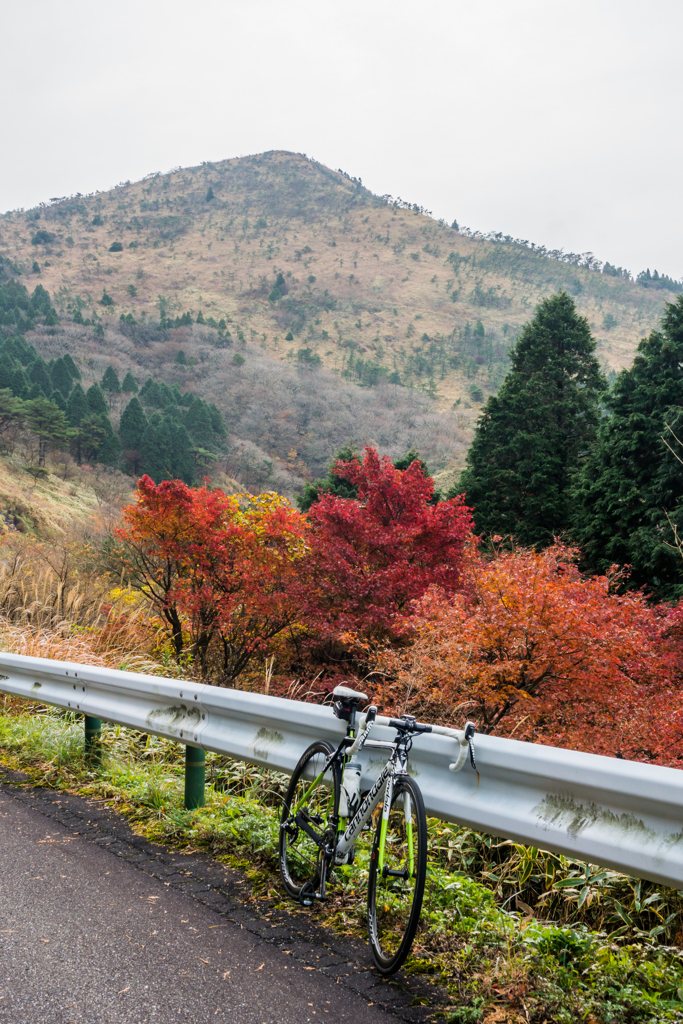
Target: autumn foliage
{"x":216,"y":567}
{"x":391,"y":586}
{"x":535,"y":650}
{"x":370,"y":558}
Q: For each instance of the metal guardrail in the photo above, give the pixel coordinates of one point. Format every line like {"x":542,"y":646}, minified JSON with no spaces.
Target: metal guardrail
{"x":619,"y":814}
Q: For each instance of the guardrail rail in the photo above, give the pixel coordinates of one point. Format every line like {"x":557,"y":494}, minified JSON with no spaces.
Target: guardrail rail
{"x":619,"y":814}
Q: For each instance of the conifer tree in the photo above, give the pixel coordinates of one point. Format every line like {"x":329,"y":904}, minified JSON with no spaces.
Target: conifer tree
{"x":630,"y":492}
{"x":130,"y":385}
{"x":109,"y":452}
{"x":38,"y":374}
{"x":96,"y":400}
{"x":110,"y":381}
{"x":77,"y":407}
{"x":61,"y":378}
{"x":217,"y":422}
{"x":7,"y":368}
{"x":198,"y":424}
{"x":20,"y":385}
{"x":532,"y":436}
{"x":132,"y":426}
{"x":71,"y":366}
{"x":49,"y":424}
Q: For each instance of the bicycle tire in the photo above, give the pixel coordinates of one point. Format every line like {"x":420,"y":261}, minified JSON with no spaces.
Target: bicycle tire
{"x":298,"y":852}
{"x":395,"y":901}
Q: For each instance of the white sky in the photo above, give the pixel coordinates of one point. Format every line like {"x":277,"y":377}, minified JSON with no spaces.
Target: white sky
{"x":553,"y":120}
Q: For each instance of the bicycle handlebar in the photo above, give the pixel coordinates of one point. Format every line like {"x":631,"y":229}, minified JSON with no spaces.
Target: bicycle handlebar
{"x":463,"y":736}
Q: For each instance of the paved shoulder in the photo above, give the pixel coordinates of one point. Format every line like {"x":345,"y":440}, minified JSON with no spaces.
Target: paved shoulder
{"x":86,"y":936}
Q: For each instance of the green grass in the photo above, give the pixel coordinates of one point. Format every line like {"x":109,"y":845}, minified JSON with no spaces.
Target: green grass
{"x":471,"y":939}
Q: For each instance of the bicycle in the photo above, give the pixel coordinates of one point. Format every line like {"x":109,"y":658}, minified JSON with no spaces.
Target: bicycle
{"x":325,"y":791}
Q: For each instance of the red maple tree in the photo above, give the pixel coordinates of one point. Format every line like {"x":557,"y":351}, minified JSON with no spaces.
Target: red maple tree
{"x":216,"y":567}
{"x":371,"y":557}
{"x":536,"y":650}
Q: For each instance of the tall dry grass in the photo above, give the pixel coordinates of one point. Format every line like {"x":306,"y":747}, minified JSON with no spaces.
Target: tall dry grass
{"x":56,"y":604}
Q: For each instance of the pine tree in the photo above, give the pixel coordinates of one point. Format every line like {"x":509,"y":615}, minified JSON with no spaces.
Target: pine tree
{"x":532,"y":436}
{"x":109,"y":451}
{"x":217,"y":422}
{"x":198,"y":424}
{"x":183,"y":465}
{"x":77,"y":407}
{"x":7,"y":368}
{"x":38,"y":374}
{"x":58,"y":398}
{"x":61,"y":378}
{"x":631,"y":488}
{"x":130,"y":385}
{"x":49,"y":424}
{"x":132,"y":426}
{"x":96,"y":400}
{"x":110,"y":381}
{"x":71,"y":366}
{"x":20,"y":385}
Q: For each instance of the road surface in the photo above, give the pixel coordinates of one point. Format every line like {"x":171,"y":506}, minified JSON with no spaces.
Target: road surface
{"x":96,"y":925}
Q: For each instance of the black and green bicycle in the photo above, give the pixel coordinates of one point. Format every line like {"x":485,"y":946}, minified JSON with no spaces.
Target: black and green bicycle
{"x":325,"y":813}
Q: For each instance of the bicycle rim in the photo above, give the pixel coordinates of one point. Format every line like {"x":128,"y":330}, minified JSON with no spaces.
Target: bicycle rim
{"x":396,"y":885}
{"x":310,"y":802}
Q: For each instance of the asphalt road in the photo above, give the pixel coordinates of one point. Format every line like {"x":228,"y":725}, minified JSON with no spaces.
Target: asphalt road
{"x":86,"y":936}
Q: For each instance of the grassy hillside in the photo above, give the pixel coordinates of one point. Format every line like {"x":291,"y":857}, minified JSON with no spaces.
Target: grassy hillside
{"x":370,"y":293}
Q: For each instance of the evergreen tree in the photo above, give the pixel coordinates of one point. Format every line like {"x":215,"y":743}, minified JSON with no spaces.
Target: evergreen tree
{"x":532,"y":436}
{"x":58,"y":398}
{"x":49,"y":423}
{"x":132,"y":426}
{"x":71,"y":366}
{"x":77,"y":407}
{"x":217,"y":422}
{"x":183,"y":465}
{"x":61,"y":378}
{"x":20,"y":385}
{"x":38,"y":374}
{"x":96,"y":400}
{"x":7,"y":368}
{"x":631,"y":481}
{"x":339,"y":486}
{"x":198,"y":424}
{"x":130,"y":385}
{"x":89,"y":436}
{"x":109,"y":451}
{"x":110,"y":381}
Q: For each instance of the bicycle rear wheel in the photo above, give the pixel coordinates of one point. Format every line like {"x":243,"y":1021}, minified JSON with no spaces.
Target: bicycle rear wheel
{"x":307,"y":816}
{"x":398,"y":868}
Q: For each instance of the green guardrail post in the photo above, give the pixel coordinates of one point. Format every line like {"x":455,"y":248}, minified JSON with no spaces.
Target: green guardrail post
{"x":93,"y":734}
{"x":195,"y":762}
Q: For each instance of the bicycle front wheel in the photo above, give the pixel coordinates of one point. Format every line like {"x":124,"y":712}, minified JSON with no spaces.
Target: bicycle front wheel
{"x":398,"y":868}
{"x":307,"y":817}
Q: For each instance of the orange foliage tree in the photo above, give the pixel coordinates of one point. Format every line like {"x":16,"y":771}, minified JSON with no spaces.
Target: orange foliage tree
{"x":216,"y":567}
{"x":536,"y":650}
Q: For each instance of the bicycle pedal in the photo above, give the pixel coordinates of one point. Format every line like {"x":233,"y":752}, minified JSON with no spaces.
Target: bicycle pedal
{"x":307,"y":894}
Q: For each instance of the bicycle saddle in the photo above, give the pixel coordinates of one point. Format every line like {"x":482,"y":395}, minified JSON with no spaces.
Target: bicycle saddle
{"x":346,"y":694}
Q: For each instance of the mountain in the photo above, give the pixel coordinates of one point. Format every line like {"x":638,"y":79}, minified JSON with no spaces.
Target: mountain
{"x":309,"y":310}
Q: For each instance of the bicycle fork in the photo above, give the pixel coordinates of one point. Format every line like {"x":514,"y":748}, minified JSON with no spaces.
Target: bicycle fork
{"x":382,"y":870}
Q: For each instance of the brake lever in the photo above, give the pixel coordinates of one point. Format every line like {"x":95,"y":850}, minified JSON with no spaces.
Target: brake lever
{"x":466,"y":747}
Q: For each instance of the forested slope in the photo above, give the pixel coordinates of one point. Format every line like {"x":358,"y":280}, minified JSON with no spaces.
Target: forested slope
{"x":273,"y":287}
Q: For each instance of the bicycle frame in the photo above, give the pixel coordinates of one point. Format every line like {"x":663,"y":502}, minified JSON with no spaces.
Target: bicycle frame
{"x":336,"y":852}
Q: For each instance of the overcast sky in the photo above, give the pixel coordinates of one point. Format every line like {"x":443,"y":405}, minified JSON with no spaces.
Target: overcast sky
{"x":558,"y":121}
